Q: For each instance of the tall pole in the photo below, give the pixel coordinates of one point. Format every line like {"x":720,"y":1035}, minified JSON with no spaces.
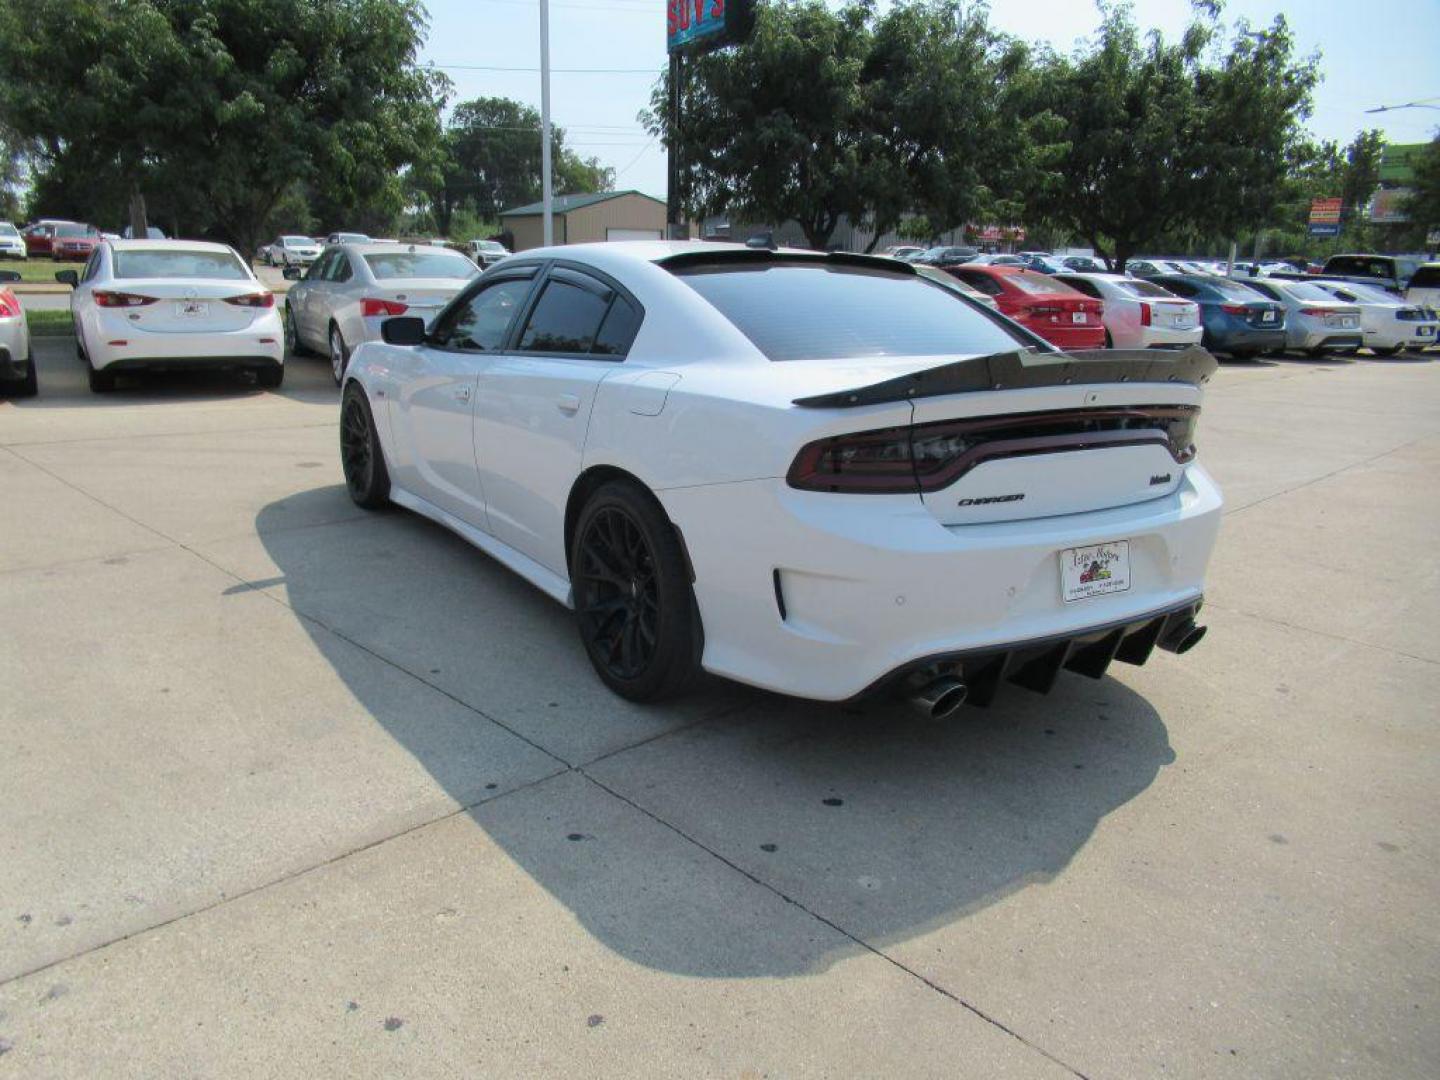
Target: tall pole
{"x":672,"y":194}
{"x":545,"y":182}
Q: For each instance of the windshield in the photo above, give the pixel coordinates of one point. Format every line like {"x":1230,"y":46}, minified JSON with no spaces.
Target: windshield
{"x":6,"y":229}
{"x":811,"y":311}
{"x":351,"y":238}
{"x":179,"y":263}
{"x":420,"y":264}
{"x":73,"y":230}
{"x":296,"y":241}
{"x":489,"y":245}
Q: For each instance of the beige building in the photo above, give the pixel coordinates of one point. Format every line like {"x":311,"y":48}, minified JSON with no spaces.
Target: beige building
{"x":586,"y":219}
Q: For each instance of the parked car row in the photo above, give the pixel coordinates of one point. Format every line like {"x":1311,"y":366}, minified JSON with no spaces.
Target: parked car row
{"x":57,"y":239}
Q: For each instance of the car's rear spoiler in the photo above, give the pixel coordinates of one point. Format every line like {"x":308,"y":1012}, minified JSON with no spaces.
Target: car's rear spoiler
{"x":1017,"y":370}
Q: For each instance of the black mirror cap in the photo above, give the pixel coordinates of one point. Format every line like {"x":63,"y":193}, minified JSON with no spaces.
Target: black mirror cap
{"x":292,"y":273}
{"x":403,"y":330}
{"x":67,"y":277}
{"x":9,"y":275}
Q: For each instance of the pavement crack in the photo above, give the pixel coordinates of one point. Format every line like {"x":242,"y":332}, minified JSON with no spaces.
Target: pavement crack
{"x":1272,"y":620}
{"x":1320,"y":479}
{"x":857,"y":941}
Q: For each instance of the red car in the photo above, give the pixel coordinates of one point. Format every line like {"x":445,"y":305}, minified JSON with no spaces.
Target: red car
{"x":39,"y":236}
{"x":74,"y":242}
{"x":1061,"y":315}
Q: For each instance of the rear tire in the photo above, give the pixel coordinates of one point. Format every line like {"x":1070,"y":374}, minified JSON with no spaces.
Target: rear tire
{"x":339,"y":354}
{"x":270,"y":378}
{"x":1386,"y":352}
{"x":634,"y":605}
{"x":102,"y":380}
{"x":361,"y":456}
{"x":292,"y":332}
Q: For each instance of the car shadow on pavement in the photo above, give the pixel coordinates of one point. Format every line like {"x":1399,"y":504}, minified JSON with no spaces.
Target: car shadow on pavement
{"x":876,"y":821}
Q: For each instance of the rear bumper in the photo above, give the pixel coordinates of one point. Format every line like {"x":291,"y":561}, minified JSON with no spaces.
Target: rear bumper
{"x":194,"y":363}
{"x":149,"y":350}
{"x":1324,"y":339}
{"x":13,"y":367}
{"x":1229,"y":339}
{"x":825,"y":596}
{"x":1065,"y":337}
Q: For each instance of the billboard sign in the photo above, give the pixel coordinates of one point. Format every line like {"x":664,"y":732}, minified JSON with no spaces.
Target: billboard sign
{"x":697,"y":26}
{"x":1324,"y":217}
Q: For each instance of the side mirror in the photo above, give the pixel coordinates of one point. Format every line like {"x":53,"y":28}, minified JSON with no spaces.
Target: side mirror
{"x":67,"y":277}
{"x":9,"y":275}
{"x":292,"y":273}
{"x":403,"y":330}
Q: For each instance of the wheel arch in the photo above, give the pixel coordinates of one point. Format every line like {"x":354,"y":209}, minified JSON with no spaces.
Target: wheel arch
{"x":589,"y":482}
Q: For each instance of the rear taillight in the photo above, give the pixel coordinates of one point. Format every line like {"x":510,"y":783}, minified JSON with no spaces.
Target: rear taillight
{"x":9,"y":305}
{"x":370,"y":306}
{"x":1317,"y":312}
{"x":1145,"y":314}
{"x":106,"y":298}
{"x":1235,"y":309}
{"x":253,"y":300}
{"x":928,"y":457}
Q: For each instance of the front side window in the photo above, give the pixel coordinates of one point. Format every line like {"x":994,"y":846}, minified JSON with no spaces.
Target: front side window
{"x":480,"y":324}
{"x":179,"y":263}
{"x":339,"y":270}
{"x":805,"y":309}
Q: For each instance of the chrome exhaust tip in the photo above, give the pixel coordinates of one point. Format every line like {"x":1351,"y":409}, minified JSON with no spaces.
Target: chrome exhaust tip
{"x":1182,"y":637}
{"x":939,"y":698}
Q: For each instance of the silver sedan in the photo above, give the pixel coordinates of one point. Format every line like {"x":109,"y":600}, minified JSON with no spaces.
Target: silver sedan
{"x":351,"y":289}
{"x":17,"y":366}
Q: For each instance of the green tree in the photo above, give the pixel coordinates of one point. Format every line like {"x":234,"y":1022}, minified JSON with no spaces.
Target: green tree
{"x":1423,"y":203}
{"x":492,"y":162}
{"x":216,"y":108}
{"x":1164,"y":139}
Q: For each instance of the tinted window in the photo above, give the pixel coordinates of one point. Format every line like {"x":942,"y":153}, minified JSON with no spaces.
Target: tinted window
{"x":618,"y":329}
{"x":1427,"y":277}
{"x":1233,"y":290}
{"x":210,"y":265}
{"x":982,"y":283}
{"x":481,"y":323}
{"x":339,"y":269}
{"x":420,"y":264}
{"x":1358,"y":265}
{"x":566,"y":318}
{"x":321,"y":266}
{"x":1264,"y":290}
{"x":1179,"y":288}
{"x":1304,"y":290}
{"x":1037,"y":284}
{"x":806,"y":310}
{"x":1081,"y":285}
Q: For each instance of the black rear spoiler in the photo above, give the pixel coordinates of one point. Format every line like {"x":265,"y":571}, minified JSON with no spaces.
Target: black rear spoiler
{"x":1017,"y":370}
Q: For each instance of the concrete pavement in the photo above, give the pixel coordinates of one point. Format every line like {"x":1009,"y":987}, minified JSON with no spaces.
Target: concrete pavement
{"x":293,"y":790}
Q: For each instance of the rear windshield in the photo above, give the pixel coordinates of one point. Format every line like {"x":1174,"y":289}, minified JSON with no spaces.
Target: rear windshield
{"x":1360,"y":266}
{"x":210,"y":265}
{"x":420,"y":264}
{"x":1037,"y":284}
{"x":811,"y":311}
{"x":1233,"y":290}
{"x":1304,"y":290}
{"x":1143,"y":288}
{"x":1427,"y":277}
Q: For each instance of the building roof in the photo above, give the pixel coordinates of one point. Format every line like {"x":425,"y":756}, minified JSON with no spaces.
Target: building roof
{"x":563,"y":204}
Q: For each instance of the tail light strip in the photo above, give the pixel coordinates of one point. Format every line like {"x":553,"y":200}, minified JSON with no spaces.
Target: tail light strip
{"x":928,"y":457}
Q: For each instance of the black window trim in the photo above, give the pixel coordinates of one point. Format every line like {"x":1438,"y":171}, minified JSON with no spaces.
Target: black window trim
{"x":569,"y":271}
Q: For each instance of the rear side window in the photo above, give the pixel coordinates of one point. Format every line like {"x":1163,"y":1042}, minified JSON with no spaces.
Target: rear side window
{"x":807,"y":310}
{"x":566,"y":318}
{"x":1263,"y":290}
{"x":980,"y":282}
{"x":618,"y":329}
{"x":1148,"y":288}
{"x":1179,"y":288}
{"x":1081,"y":285}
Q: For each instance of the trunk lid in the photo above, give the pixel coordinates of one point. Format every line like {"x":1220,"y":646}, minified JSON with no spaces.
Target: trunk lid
{"x":422,"y":297}
{"x":180,"y":306}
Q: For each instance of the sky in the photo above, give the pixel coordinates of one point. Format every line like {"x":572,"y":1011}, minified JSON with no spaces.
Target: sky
{"x":1376,"y":52}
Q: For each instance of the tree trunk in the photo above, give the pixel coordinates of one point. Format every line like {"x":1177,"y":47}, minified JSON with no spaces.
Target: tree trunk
{"x":139,"y":227}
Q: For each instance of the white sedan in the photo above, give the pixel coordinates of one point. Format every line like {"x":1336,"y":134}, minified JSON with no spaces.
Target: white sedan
{"x":819,"y":474}
{"x":291,"y":251}
{"x":1388,"y":322}
{"x":166,"y":305}
{"x":1140,"y":314}
{"x":350,"y":290}
{"x":17,"y":364}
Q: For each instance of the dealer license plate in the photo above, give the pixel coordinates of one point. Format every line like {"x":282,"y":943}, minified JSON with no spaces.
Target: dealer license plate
{"x":1077,"y":316}
{"x":1347,"y":323}
{"x":1269,"y":316}
{"x":1183,"y":322}
{"x":1426,"y":331}
{"x":192,"y":309}
{"x":1094,"y":571}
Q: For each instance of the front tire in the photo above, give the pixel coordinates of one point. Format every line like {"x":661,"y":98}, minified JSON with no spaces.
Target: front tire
{"x":634,"y":605}
{"x":339,"y":354}
{"x":361,"y":456}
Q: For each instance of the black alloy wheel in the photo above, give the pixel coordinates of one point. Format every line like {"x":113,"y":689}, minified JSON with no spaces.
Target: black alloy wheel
{"x":360,"y":455}
{"x":636,"y":610}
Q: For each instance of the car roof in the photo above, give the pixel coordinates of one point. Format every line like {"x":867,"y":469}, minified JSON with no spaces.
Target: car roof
{"x":374,"y":247}
{"x":168,"y":245}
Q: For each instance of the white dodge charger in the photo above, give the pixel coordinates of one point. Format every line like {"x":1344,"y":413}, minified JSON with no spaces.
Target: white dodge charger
{"x":820,"y":474}
{"x":166,"y":305}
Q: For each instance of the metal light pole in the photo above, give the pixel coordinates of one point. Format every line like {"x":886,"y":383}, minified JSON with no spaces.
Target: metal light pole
{"x":545,"y":182}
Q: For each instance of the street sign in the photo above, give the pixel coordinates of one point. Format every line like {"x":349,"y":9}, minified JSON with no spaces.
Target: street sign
{"x":697,"y":26}
{"x":1317,"y":229}
{"x":1325,"y":217}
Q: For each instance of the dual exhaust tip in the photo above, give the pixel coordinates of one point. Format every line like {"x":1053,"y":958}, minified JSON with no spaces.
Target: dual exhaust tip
{"x":942,"y":697}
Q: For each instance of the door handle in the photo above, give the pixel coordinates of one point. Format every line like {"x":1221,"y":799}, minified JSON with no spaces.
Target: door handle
{"x":462,"y":393}
{"x":569,"y":404}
